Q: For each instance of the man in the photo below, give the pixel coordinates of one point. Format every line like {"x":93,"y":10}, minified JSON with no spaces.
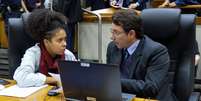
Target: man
{"x":143,"y":63}
{"x":30,"y":5}
{"x":132,"y":4}
{"x":175,"y":3}
{"x":10,"y":9}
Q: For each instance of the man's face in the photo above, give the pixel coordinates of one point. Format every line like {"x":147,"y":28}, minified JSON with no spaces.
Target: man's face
{"x":120,"y":37}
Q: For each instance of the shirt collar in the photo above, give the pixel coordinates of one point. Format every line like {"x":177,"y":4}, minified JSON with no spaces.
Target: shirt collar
{"x":133,"y":47}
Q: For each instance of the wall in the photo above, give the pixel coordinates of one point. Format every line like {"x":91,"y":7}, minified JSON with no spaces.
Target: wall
{"x":88,"y":40}
{"x":198,"y":37}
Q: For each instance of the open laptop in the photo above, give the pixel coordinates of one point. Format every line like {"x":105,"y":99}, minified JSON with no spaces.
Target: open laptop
{"x":90,"y":81}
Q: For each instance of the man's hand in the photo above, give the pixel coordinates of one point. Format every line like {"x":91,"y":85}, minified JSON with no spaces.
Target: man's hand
{"x":133,"y":5}
{"x":113,"y":3}
{"x":197,"y":59}
{"x":165,"y":4}
{"x":38,"y":4}
{"x":172,"y":4}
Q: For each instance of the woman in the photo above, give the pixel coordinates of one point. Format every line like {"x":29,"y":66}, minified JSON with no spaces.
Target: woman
{"x":47,"y":27}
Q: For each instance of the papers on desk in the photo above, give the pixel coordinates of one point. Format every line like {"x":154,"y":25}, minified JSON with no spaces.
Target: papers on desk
{"x":16,"y":91}
{"x":2,"y":86}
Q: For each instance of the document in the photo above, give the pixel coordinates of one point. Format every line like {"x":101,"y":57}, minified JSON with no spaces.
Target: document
{"x":16,"y":91}
{"x":2,"y":86}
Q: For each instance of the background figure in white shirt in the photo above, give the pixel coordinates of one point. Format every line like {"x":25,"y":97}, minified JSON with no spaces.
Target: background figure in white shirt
{"x":46,"y":27}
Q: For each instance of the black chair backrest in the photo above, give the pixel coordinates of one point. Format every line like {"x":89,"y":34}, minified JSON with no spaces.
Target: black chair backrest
{"x":177,"y":32}
{"x":19,"y":40}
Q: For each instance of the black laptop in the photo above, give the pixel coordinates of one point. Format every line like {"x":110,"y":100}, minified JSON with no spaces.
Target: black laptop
{"x":90,"y":81}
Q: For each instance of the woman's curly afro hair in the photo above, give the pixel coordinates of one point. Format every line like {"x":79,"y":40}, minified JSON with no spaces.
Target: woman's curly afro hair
{"x":41,"y":23}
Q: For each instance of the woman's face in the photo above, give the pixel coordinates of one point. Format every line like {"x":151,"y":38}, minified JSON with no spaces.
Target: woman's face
{"x":57,"y":44}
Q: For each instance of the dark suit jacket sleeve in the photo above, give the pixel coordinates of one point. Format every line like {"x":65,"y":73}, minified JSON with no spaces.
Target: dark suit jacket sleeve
{"x":196,"y":48}
{"x":108,"y":53}
{"x":156,"y":71}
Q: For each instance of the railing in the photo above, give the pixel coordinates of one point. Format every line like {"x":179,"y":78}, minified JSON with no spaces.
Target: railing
{"x":99,"y":33}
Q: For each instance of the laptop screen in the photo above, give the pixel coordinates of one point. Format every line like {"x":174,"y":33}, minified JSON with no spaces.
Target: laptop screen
{"x":90,"y":81}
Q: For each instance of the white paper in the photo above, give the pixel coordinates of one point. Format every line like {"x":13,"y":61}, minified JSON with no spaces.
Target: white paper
{"x":2,"y":87}
{"x":16,"y":91}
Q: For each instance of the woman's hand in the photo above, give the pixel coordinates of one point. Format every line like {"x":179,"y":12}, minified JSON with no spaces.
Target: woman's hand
{"x":51,"y":81}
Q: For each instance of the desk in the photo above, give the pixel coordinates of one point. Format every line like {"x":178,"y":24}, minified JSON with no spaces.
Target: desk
{"x":41,"y":95}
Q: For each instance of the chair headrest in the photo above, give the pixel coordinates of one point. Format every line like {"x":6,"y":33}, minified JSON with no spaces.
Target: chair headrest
{"x":25,"y":22}
{"x":152,"y":19}
{"x":25,"y":17}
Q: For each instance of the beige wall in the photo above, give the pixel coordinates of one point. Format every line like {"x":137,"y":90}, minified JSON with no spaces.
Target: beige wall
{"x":198,"y":37}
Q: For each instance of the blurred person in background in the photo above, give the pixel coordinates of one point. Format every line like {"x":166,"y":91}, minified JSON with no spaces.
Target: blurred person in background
{"x":10,"y":9}
{"x":175,"y":3}
{"x":132,"y":4}
{"x":72,"y":10}
{"x":30,"y":5}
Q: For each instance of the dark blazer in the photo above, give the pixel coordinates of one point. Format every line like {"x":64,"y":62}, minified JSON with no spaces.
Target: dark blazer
{"x":148,"y":76}
{"x":196,"y":48}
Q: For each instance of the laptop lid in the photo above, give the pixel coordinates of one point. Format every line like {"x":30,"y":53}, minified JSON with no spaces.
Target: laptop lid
{"x":90,"y":81}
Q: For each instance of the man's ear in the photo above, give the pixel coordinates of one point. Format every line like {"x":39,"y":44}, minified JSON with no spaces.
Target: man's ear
{"x":132,"y":34}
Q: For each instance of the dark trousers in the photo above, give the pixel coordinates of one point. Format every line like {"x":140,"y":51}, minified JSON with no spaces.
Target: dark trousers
{"x":70,"y":36}
{"x":96,"y":4}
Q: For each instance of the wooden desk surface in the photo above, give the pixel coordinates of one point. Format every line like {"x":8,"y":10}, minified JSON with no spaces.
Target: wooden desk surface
{"x":41,"y":95}
{"x":106,"y":15}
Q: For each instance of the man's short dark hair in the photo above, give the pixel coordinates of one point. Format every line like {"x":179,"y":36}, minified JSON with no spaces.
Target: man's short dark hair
{"x":128,"y":20}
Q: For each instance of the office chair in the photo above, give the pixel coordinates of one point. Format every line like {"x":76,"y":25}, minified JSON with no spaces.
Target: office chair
{"x":19,"y":40}
{"x":177,"y":32}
